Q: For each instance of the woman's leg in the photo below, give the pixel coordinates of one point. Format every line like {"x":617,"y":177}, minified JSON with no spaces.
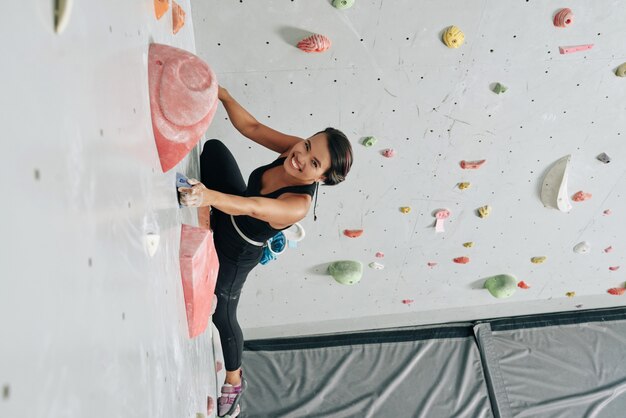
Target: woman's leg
{"x":230,"y":281}
{"x":219,"y":170}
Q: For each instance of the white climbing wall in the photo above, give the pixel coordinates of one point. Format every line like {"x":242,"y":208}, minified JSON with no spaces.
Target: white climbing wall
{"x":389,"y":75}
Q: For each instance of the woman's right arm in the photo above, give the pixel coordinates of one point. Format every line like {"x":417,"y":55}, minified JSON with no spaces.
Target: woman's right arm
{"x":249,"y":127}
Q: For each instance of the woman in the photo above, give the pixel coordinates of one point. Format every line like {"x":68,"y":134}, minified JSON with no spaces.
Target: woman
{"x":244,"y":217}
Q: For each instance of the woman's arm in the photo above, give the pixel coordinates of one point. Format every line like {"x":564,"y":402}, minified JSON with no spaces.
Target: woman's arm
{"x":249,"y":127}
{"x":284,"y":211}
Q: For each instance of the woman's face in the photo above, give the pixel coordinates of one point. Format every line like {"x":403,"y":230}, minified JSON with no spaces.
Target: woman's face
{"x":308,"y":160}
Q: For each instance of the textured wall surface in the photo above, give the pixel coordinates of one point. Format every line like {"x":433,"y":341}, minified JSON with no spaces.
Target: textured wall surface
{"x":389,"y":75}
{"x":91,"y":324}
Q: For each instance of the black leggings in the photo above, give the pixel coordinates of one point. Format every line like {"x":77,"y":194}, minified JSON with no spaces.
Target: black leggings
{"x":219,"y":171}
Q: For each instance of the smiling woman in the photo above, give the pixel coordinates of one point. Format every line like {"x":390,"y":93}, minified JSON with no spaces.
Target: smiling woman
{"x":244,"y":217}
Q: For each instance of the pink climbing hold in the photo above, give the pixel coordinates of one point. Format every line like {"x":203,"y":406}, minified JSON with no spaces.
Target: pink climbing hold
{"x":617,"y":291}
{"x":407,"y":301}
{"x":431,"y":264}
{"x":461,"y":260}
{"x":389,"y":152}
{"x":210,"y":405}
{"x":314,"y":43}
{"x":380,"y":255}
{"x":564,"y":18}
{"x":523,"y":285}
{"x":219,"y":366}
{"x":614,"y":268}
{"x":199,"y":266}
{"x":581,"y":196}
{"x":473,"y":165}
{"x":608,"y":249}
{"x":353,"y":233}
{"x":607,"y":212}
{"x":183,"y":101}
{"x":574,"y":48}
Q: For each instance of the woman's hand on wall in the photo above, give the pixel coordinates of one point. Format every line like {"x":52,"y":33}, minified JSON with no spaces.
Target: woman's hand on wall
{"x":194,"y":196}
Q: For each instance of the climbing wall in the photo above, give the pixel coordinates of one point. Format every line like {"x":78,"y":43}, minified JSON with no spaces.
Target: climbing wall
{"x":506,"y":95}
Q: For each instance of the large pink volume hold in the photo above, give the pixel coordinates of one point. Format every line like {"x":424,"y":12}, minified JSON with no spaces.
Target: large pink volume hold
{"x":183,"y":101}
{"x":314,"y":43}
{"x":199,"y":266}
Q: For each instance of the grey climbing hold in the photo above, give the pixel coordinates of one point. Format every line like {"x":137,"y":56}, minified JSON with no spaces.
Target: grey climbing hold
{"x":501,"y":286}
{"x":343,"y":4}
{"x":346,"y":271}
{"x":604,"y":158}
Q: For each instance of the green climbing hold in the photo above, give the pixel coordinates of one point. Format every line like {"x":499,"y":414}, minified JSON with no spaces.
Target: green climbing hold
{"x":346,"y":271}
{"x":501,"y":286}
{"x":369,"y":141}
{"x":499,"y":88}
{"x":343,"y":4}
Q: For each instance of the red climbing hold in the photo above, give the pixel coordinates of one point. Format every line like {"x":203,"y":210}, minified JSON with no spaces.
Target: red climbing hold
{"x":353,"y":233}
{"x":617,"y":290}
{"x":614,"y":268}
{"x":461,"y":260}
{"x":314,"y":43}
{"x":472,"y":164}
{"x":407,"y":301}
{"x":563,"y":18}
{"x":523,"y":285}
{"x":198,"y":267}
{"x":183,"y":101}
{"x":581,"y":196}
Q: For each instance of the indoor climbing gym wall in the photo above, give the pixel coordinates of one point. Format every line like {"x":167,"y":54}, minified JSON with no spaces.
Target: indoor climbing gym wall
{"x":488,"y":138}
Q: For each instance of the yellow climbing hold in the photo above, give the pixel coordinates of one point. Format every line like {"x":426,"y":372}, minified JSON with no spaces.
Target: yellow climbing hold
{"x":468,"y":244}
{"x":453,"y":37}
{"x":484,"y":211}
{"x":538,"y":260}
{"x":464,"y":185}
{"x":621,"y":70}
{"x":405,"y":209}
{"x":570,"y":294}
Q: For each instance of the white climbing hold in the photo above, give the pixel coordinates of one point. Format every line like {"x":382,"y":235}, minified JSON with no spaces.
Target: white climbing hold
{"x":554,"y":187}
{"x":376,"y":266}
{"x":151,"y":243}
{"x":582,"y":248}
{"x":62,"y":12}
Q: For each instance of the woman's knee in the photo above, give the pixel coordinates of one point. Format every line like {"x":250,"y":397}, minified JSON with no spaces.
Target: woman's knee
{"x":212,"y":145}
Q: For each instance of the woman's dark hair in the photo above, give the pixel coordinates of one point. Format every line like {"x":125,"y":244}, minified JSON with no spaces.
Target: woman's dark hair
{"x":340,"y":156}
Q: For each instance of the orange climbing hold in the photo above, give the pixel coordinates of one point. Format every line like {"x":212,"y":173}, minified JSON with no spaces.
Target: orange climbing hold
{"x":523,"y":285}
{"x":353,"y":233}
{"x":617,"y":290}
{"x":199,"y":266}
{"x":461,"y":260}
{"x":178,"y":17}
{"x":160,"y":8}
{"x":183,"y":101}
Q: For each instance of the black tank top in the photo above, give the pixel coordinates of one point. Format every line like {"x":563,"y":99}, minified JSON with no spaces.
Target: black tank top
{"x":256,"y":229}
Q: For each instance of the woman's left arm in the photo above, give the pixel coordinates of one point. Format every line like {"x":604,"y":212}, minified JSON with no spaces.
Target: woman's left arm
{"x":288,"y":209}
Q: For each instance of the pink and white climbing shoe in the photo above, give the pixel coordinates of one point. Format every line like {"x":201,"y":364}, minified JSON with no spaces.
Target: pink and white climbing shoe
{"x":228,"y":402}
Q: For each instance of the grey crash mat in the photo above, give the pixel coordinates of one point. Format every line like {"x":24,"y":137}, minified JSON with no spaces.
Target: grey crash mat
{"x":403,"y":373}
{"x":559,"y":366}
